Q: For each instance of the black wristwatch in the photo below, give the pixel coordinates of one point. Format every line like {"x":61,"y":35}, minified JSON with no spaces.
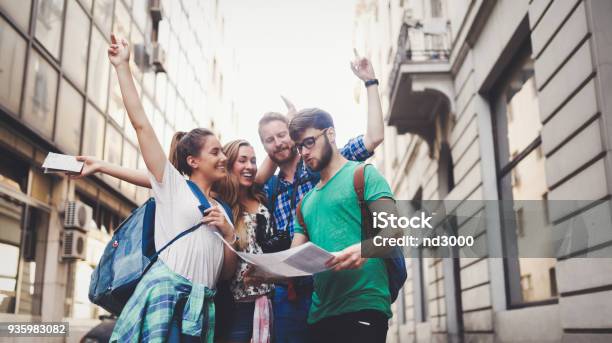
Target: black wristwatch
{"x":371,"y":82}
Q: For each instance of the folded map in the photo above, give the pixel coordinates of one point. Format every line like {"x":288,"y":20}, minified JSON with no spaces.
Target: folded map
{"x":306,"y":259}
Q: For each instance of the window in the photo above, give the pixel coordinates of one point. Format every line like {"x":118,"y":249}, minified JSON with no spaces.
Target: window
{"x":87,"y":5}
{"x":14,"y":173}
{"x":424,"y":288}
{"x":173,"y":56}
{"x":130,"y":133}
{"x":40,"y":97}
{"x":158,"y":125}
{"x":171,"y":105}
{"x":436,"y":8}
{"x":97,"y":83}
{"x":83,"y":308}
{"x":163,"y":33}
{"x":139,"y":12}
{"x":69,"y":116}
{"x":9,"y":267}
{"x":106,"y":219}
{"x":149,"y":109}
{"x":136,"y":38}
{"x":160,"y":90}
{"x":182,"y":120}
{"x":93,"y":132}
{"x":22,"y":247}
{"x":522,"y":177}
{"x":168,"y":133}
{"x":112,"y":150}
{"x":116,"y":108}
{"x":121,"y":26}
{"x":130,"y":155}
{"x":103,"y":15}
{"x":49,"y":25}
{"x":148,"y":82}
{"x":141,"y":192}
{"x":183,"y":71}
{"x":19,"y":10}
{"x":12,"y":59}
{"x":76,"y":38}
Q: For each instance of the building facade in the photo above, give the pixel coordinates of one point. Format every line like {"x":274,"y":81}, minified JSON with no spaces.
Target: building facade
{"x":58,"y":93}
{"x":499,"y":100}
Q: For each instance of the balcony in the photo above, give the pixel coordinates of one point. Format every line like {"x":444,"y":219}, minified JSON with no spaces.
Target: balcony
{"x":420,"y":83}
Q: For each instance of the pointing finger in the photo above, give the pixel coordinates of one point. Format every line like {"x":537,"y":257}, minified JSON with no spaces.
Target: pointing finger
{"x":113,"y":38}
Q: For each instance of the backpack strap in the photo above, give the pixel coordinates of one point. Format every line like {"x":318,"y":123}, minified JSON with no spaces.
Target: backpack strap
{"x":273,"y":185}
{"x":359,"y":182}
{"x":359,"y":186}
{"x":227,"y":209}
{"x":300,"y":217}
{"x":204,"y":203}
{"x":191,"y":229}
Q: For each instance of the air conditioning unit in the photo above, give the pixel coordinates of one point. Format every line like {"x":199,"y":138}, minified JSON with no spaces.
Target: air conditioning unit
{"x":158,"y":58}
{"x":156,"y":10}
{"x":77,"y":215}
{"x":74,"y":245}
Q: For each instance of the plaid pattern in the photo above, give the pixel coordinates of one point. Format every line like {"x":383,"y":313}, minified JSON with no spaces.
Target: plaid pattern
{"x":354,"y":150}
{"x":149,"y":315}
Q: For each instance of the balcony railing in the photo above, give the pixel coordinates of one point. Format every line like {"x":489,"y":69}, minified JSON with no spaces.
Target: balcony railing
{"x":421,"y":43}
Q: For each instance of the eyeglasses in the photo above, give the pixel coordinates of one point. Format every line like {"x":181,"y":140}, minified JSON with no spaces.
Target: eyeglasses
{"x":309,"y":142}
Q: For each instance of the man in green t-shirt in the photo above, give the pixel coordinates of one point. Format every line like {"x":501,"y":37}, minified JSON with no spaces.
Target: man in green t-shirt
{"x":351,"y":302}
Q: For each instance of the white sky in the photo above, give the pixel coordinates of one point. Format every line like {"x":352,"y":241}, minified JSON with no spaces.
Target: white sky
{"x":300,"y":49}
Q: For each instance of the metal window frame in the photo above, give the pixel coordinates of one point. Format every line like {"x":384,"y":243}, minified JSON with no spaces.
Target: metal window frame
{"x":504,"y":165}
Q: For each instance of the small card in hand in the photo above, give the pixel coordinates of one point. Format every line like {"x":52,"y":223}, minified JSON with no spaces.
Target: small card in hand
{"x":65,"y":164}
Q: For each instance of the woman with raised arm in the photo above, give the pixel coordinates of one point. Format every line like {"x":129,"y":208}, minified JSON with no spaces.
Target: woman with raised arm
{"x":251,"y":315}
{"x":174,"y":299}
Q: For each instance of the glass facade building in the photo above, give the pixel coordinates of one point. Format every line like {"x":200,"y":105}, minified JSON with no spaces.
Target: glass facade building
{"x":59,"y":93}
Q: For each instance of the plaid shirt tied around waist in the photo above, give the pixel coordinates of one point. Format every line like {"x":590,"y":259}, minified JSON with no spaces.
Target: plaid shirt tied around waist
{"x":163,"y":302}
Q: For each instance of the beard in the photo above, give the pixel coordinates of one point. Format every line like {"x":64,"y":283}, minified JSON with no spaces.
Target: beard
{"x":292,"y":154}
{"x":325,"y":157}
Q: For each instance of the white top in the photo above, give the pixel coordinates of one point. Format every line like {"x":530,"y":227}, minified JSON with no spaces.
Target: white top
{"x":198,"y":256}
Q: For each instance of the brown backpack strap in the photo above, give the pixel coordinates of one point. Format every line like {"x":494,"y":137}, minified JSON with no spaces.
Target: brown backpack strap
{"x":359,"y":185}
{"x":300,"y":217}
{"x":359,"y":182}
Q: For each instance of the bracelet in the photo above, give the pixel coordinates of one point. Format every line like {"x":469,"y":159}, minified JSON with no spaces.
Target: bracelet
{"x":371,"y":82}
{"x":236,"y":238}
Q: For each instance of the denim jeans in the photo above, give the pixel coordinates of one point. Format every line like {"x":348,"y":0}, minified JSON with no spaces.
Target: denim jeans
{"x":290,"y":324}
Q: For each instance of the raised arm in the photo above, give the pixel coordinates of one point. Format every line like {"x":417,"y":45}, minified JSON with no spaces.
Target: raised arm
{"x":265,"y":171}
{"x":376,"y":128}
{"x":268,"y":167}
{"x":92,"y":165}
{"x":152,"y":152}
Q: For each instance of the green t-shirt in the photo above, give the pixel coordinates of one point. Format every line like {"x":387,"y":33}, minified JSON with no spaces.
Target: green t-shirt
{"x":333,"y":221}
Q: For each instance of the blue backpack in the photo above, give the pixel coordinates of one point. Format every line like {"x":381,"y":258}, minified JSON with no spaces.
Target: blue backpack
{"x":130,"y":254}
{"x":395,"y":263}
